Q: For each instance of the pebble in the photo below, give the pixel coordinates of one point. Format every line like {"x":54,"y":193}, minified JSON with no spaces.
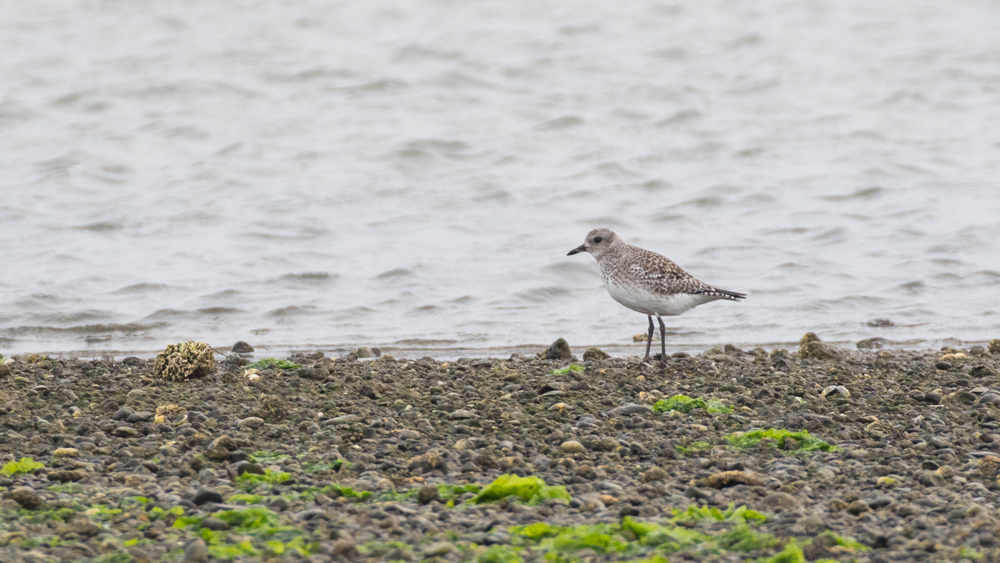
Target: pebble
{"x":343,"y":419}
{"x":461,"y":414}
{"x":559,"y":350}
{"x":654,"y":474}
{"x":66,"y":452}
{"x":206,"y":495}
{"x":251,"y":422}
{"x":572,"y":447}
{"x":26,"y":497}
{"x":631,"y":409}
{"x":196,"y":551}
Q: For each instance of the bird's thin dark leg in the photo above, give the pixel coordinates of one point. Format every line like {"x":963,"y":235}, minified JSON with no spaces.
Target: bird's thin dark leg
{"x":649,"y":340}
{"x":663,"y":337}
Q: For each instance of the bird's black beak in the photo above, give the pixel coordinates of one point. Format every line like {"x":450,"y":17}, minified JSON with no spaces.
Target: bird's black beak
{"x":581,"y":248}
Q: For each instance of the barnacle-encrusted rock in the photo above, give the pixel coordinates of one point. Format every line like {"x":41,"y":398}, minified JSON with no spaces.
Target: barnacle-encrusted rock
{"x":595,"y":354}
{"x":187,"y":360}
{"x":994,"y":347}
{"x":810,"y":346}
{"x":558,"y":351}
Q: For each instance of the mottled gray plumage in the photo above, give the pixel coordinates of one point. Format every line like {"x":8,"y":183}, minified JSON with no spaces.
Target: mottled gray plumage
{"x":647,"y":282}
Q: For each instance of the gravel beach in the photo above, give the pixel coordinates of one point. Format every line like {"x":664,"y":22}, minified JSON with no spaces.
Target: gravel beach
{"x":389,"y":459}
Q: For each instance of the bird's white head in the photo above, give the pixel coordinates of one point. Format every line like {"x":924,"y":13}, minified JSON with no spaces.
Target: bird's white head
{"x":598,"y":243}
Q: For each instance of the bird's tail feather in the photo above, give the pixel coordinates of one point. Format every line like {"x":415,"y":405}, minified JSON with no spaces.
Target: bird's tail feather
{"x":724,"y":293}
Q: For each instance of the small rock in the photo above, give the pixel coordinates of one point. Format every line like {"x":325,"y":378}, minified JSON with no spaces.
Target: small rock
{"x":438,"y":549}
{"x":595,"y":354}
{"x":344,"y":547}
{"x":812,"y":524}
{"x":250,"y":422}
{"x":858,"y":507}
{"x":427,"y":462}
{"x":66,"y":452}
{"x":631,"y":409}
{"x":943,"y":366}
{"x":26,"y":498}
{"x":196,"y":551}
{"x":67,"y":476}
{"x":872,"y":343}
{"x":85,"y":527}
{"x":607,"y":500}
{"x":654,"y":474}
{"x":836,"y":391}
{"x":559,"y":350}
{"x":242,"y":348}
{"x":559,"y":407}
{"x":344,"y":419}
{"x":989,"y":467}
{"x":428,"y":494}
{"x":126,"y":432}
{"x":994,"y":347}
{"x":826,"y":474}
{"x":572,"y":447}
{"x":461,"y":414}
{"x":885,"y":482}
{"x":782,"y":500}
{"x":214,"y":524}
{"x":731,"y":478}
{"x":206,"y":495}
{"x":810,"y":346}
{"x":695,"y":493}
{"x":241,"y":467}
{"x":364,"y":352}
{"x":879,"y":502}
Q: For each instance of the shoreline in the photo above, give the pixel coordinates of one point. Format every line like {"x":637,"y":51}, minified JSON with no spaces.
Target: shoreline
{"x":370,"y":460}
{"x":451,"y":353}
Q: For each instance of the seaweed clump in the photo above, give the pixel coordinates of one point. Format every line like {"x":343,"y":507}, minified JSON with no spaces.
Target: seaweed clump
{"x":187,"y":360}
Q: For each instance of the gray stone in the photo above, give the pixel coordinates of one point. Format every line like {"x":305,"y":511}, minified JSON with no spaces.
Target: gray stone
{"x":251,"y":422}
{"x":242,"y":348}
{"x":559,"y":350}
{"x":782,"y":500}
{"x":206,"y":495}
{"x":344,"y":419}
{"x":196,"y":551}
{"x":214,"y":524}
{"x":631,"y":409}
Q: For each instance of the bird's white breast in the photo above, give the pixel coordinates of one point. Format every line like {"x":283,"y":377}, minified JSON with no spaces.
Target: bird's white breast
{"x":649,"y":303}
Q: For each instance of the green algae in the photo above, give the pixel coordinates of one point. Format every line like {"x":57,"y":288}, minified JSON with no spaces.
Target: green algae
{"x":499,"y":554}
{"x":22,"y":466}
{"x":806,"y":442}
{"x":741,"y":514}
{"x":260,"y":524}
{"x":637,"y":538}
{"x":567,"y":369}
{"x":531,"y":490}
{"x":693,"y":447}
{"x":269,"y":477}
{"x":685,"y":404}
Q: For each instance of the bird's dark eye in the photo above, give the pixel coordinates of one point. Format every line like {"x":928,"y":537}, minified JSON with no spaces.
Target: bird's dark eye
{"x":598,"y":240}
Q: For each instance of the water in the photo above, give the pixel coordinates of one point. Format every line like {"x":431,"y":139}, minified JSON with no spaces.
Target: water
{"x":319,"y":175}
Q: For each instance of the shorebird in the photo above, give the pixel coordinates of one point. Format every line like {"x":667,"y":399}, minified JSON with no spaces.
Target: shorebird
{"x":648,"y":282}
